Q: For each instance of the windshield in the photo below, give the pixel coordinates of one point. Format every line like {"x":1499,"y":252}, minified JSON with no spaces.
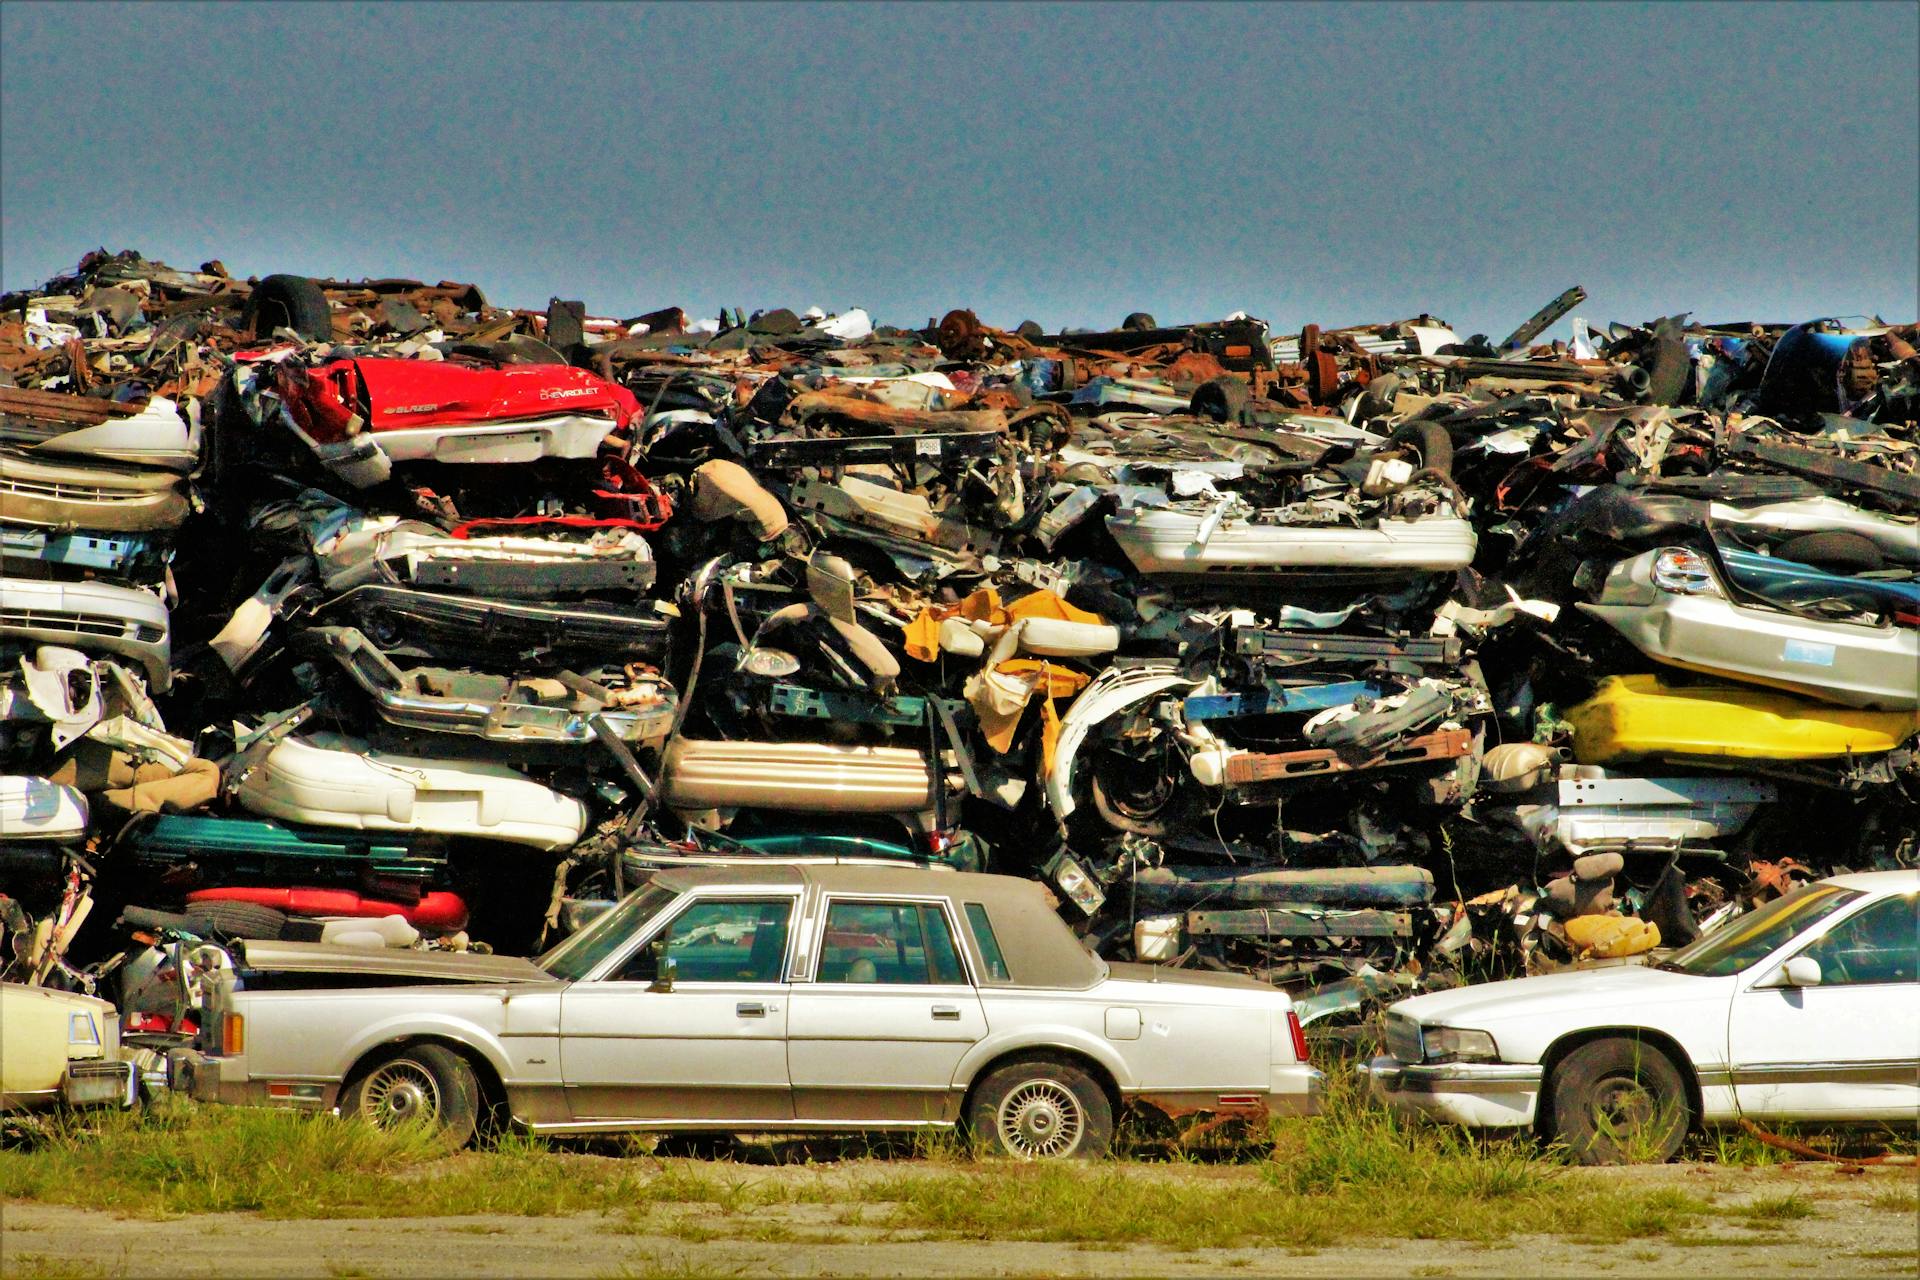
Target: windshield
{"x":1745,"y":939}
{"x":575,"y":957}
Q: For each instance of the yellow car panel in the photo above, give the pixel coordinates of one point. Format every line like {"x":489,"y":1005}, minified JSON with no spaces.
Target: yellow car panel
{"x":1632,"y":717}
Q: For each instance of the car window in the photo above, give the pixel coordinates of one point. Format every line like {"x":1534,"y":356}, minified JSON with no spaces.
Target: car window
{"x":888,"y":942}
{"x":989,"y":945}
{"x":1879,"y":944}
{"x":720,"y":940}
{"x":1746,"y":939}
{"x":575,"y":957}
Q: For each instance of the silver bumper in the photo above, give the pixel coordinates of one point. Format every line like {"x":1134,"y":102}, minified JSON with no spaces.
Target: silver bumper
{"x":100,"y":1084}
{"x":1489,"y":1095}
{"x":1297,"y":1090}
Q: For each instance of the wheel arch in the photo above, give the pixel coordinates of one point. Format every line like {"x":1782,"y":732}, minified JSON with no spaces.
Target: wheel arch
{"x":1045,"y":1053}
{"x":1669,"y":1047}
{"x":493,"y":1092}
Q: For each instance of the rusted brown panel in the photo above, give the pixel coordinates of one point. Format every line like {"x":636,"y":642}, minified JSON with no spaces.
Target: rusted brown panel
{"x":53,"y":406}
{"x":1443,"y":744}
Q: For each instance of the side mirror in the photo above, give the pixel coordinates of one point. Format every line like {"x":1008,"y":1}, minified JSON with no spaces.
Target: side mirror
{"x":1802,"y":971}
{"x":662,"y":966}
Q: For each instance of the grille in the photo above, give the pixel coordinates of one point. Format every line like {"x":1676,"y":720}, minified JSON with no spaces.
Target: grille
{"x":91,"y":624}
{"x":75,"y":492}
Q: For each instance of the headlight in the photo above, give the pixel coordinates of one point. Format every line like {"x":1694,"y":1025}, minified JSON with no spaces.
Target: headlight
{"x":1458,"y":1044}
{"x":1685,"y":573}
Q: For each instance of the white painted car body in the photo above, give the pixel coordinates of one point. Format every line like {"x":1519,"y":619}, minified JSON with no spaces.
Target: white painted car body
{"x":1750,"y":1042}
{"x":582,"y":1042}
{"x":39,"y":810}
{"x":332,"y":780}
{"x":60,"y":1047}
{"x":1180,"y":542}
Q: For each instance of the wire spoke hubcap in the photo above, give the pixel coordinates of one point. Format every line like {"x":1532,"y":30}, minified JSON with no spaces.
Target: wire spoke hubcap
{"x":398,"y":1092}
{"x":1041,"y":1118}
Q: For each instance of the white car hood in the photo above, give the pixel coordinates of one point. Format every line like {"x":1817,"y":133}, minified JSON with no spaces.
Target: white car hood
{"x":1581,"y":993}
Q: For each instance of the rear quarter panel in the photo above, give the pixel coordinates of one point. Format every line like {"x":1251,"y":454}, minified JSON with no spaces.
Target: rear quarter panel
{"x":1188,"y":1038}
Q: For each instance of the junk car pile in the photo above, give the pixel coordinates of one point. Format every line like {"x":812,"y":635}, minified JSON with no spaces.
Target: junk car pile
{"x":1359,"y":660}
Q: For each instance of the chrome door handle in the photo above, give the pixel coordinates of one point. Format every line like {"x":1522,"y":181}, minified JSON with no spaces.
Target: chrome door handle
{"x":751,"y":1009}
{"x":946,"y":1013}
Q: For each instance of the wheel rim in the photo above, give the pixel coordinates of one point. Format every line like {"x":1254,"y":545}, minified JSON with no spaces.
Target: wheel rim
{"x":1624,"y":1107}
{"x":1041,"y":1118}
{"x":400,"y":1091}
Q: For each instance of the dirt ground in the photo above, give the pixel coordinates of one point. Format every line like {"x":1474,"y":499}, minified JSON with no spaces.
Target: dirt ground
{"x":1848,"y":1235}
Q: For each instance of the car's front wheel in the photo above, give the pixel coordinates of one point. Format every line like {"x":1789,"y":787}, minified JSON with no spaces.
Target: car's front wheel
{"x":419,"y":1083}
{"x":1041,"y":1109}
{"x":1618,"y":1101}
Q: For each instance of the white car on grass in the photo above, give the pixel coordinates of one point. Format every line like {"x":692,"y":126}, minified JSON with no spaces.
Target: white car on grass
{"x":1806,"y":1009}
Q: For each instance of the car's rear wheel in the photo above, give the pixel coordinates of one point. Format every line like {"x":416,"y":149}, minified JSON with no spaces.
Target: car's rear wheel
{"x":1041,"y":1109}
{"x":1618,"y":1101}
{"x":419,"y":1083}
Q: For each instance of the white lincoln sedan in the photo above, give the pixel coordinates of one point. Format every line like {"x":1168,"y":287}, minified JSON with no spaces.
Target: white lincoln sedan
{"x":1806,"y":1009}
{"x":761,"y":999}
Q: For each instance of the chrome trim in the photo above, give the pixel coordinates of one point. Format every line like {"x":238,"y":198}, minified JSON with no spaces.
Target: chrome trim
{"x":1452,"y":1077}
{"x":729,"y":1126}
{"x":1885,"y":1071}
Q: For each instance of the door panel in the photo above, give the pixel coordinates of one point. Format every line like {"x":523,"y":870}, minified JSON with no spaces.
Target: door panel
{"x":880,"y":1031}
{"x":1847,"y":1048}
{"x":711,"y":1048}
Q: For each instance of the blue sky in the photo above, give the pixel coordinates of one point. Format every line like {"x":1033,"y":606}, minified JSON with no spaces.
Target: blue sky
{"x":1067,"y":163}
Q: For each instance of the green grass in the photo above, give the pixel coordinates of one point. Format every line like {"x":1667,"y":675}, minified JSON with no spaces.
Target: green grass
{"x":1774,"y":1209}
{"x":1904,"y":1199}
{"x":1354,"y":1174}
{"x":45,"y":1266}
{"x":175,"y":1158}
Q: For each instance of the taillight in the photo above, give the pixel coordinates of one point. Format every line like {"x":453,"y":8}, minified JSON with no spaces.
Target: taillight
{"x":151,"y":1023}
{"x":233,"y":1035}
{"x":1299,"y":1034}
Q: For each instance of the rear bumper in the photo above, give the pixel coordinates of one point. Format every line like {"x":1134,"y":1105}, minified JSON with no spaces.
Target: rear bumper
{"x":1297,"y":1090}
{"x":1494,"y":1095}
{"x":210,"y":1079}
{"x":1293,"y":1089}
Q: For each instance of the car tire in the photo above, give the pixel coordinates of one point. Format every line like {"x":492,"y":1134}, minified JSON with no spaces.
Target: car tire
{"x":1618,"y":1100}
{"x":1837,"y":550}
{"x":236,"y":919}
{"x":426,"y":1082}
{"x":288,"y":302}
{"x":1220,"y":399}
{"x":1041,"y":1109}
{"x":1431,"y":441}
{"x":1139,"y":322}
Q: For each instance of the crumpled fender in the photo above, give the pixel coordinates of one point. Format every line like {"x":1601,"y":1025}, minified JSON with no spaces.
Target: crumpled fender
{"x":1112,"y":692}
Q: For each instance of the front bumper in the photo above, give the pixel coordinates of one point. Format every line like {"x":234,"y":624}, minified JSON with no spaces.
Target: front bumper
{"x":100,"y":1084}
{"x":208,"y":1078}
{"x":1491,"y":1095}
{"x":1840,"y":662}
